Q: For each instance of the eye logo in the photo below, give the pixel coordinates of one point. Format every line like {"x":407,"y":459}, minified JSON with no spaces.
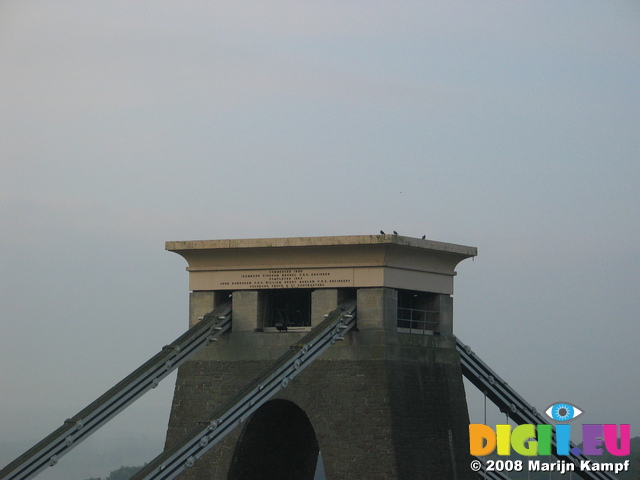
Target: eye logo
{"x":563,"y":412}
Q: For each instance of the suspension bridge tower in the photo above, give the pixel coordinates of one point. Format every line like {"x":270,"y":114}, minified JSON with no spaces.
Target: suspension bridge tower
{"x":385,"y":403}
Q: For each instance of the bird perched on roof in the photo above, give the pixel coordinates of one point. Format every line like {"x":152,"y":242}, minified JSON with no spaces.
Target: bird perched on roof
{"x":395,"y":233}
{"x":381,"y":232}
{"x":424,"y":236}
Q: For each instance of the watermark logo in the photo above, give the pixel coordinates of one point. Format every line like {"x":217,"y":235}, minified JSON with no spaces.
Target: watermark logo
{"x":563,"y":412}
{"x":531,"y":440}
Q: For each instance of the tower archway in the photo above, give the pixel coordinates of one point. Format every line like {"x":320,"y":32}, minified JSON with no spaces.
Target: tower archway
{"x":277,"y":443}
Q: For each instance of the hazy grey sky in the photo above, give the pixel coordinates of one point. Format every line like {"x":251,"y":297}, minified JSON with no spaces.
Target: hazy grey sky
{"x":509,"y":126}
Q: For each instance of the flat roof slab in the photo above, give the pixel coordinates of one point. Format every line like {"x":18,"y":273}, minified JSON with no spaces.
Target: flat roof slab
{"x":357,"y":261}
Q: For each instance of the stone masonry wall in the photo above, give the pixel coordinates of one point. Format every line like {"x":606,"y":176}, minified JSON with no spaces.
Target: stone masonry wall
{"x":374,"y":419}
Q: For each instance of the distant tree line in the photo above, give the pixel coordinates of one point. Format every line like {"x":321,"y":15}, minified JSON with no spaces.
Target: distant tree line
{"x":123,"y":473}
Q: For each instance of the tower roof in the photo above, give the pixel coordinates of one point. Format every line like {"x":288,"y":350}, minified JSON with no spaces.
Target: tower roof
{"x":322,"y":262}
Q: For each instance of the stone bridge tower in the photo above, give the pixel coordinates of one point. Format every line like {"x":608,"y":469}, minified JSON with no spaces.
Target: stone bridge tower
{"x":386,"y":403}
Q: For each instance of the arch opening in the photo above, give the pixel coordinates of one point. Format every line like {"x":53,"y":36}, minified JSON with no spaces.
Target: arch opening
{"x":277,"y":443}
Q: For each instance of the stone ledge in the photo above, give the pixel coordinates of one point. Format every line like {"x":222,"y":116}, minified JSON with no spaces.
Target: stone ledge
{"x":176,"y":246}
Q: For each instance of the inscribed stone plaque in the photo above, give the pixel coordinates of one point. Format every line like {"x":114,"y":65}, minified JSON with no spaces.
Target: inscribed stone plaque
{"x":282,"y":278}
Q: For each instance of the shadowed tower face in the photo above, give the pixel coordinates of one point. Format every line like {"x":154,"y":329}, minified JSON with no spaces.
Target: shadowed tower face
{"x":277,"y":443}
{"x":386,"y":403}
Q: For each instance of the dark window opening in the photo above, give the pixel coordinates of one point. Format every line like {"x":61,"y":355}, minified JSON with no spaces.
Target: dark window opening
{"x":345,"y":294}
{"x":418,"y":311}
{"x":288,"y":309}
